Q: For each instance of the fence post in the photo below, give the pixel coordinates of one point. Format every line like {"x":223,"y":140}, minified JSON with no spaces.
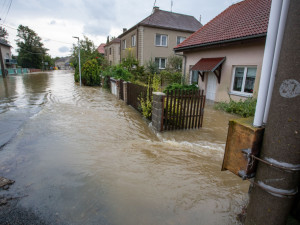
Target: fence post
{"x":157,"y":110}
{"x":125,"y":96}
{"x":118,"y":89}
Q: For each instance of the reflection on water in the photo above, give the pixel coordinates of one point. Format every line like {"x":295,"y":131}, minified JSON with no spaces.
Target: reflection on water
{"x":84,"y":157}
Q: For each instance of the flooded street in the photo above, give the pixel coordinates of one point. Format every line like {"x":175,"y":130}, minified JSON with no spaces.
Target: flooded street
{"x":80,"y":156}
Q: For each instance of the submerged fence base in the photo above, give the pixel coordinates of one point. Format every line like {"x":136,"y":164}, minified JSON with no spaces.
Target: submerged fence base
{"x":172,"y":111}
{"x":178,"y":110}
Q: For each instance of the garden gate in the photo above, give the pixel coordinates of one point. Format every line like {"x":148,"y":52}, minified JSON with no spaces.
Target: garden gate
{"x":183,"y":109}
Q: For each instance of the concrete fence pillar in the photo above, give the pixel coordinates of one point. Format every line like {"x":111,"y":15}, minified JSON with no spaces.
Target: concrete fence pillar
{"x":157,"y":110}
{"x":125,"y":96}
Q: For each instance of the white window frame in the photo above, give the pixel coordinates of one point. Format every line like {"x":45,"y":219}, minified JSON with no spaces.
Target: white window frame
{"x":133,"y":40}
{"x":160,"y":42}
{"x":241,"y":93}
{"x":159,"y":63}
{"x":179,"y":37}
{"x":124,"y":44}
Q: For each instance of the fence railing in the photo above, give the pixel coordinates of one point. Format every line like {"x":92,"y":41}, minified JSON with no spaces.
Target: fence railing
{"x":13,"y":71}
{"x":183,"y":109}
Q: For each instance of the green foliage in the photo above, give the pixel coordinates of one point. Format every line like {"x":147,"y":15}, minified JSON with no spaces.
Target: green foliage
{"x":3,"y":33}
{"x":176,"y":86}
{"x":146,"y":103}
{"x":88,"y":52}
{"x":156,"y":82}
{"x":118,"y":72}
{"x":30,"y":48}
{"x":174,"y":64}
{"x":170,"y":77}
{"x":132,"y":65}
{"x":151,"y":67}
{"x":91,"y":73}
{"x":243,"y":108}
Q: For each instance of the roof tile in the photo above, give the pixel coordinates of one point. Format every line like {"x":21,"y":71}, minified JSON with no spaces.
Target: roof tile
{"x":243,"y":19}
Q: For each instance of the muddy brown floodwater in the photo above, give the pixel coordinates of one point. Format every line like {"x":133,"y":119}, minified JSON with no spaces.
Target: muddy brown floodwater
{"x":80,"y":156}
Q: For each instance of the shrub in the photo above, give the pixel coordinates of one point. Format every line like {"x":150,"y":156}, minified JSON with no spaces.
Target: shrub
{"x":146,"y":103}
{"x":170,"y":77}
{"x":243,"y":108}
{"x":118,"y":72}
{"x":176,"y":86}
{"x":90,"y":75}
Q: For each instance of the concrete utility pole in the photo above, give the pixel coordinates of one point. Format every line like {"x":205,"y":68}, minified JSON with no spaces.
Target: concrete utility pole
{"x":274,"y":189}
{"x":79,"y":60}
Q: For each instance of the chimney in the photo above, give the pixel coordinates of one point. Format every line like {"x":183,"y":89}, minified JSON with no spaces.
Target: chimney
{"x":124,"y":30}
{"x":155,"y":9}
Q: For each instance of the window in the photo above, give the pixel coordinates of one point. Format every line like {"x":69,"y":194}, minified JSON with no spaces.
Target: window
{"x":180,"y":39}
{"x":133,"y":40}
{"x":243,"y":80}
{"x":161,"y":63}
{"x":124,"y":44}
{"x":161,"y":40}
{"x":194,"y":77}
{"x":110,"y":51}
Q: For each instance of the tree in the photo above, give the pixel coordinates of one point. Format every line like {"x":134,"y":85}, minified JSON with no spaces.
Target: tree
{"x":174,"y":64}
{"x":31,"y":51}
{"x":3,"y":33}
{"x":88,"y":51}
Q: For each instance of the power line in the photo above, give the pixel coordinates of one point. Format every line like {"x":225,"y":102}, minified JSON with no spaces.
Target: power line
{"x":7,"y":11}
{"x":3,"y":8}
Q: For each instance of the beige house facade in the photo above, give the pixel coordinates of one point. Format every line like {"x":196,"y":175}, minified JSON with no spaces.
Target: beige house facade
{"x":238,"y":59}
{"x":155,"y":38}
{"x":6,"y":55}
{"x":112,"y":52}
{"x":224,"y":57}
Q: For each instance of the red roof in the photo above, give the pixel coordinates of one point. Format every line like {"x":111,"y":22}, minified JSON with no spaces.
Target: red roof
{"x":101,"y":49}
{"x":246,"y":19}
{"x":208,"y":64}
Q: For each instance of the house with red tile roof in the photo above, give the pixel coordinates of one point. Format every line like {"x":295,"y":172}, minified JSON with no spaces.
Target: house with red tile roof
{"x":224,"y":57}
{"x":101,"y":49}
{"x":112,"y":51}
{"x":155,"y":36}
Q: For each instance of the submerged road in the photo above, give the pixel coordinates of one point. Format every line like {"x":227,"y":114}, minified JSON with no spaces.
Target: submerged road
{"x":80,"y":156}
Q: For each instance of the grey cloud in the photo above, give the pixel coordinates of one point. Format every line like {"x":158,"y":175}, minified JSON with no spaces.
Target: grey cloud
{"x":97,"y":27}
{"x":63,"y":49}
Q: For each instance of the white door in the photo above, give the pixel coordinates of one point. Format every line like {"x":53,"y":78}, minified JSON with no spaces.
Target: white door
{"x":211,"y":86}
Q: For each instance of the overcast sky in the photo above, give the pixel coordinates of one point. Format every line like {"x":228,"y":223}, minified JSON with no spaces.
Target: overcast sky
{"x":56,"y":21}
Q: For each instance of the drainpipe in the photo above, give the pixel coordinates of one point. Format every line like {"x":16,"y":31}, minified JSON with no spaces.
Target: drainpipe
{"x":267,"y":62}
{"x":283,"y":16}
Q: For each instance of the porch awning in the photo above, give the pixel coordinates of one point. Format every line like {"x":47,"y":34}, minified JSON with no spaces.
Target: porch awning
{"x":208,"y":64}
